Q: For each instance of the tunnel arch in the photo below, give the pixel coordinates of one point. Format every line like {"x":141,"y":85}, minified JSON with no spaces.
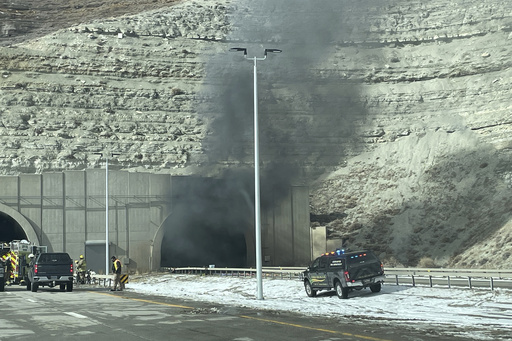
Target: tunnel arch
{"x":207,"y":223}
{"x":159,"y":251}
{"x":15,"y":224}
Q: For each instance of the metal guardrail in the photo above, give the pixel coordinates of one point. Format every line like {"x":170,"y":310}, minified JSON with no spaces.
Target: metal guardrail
{"x":98,"y":279}
{"x":472,"y":278}
{"x":267,"y":272}
{"x":501,"y":273}
{"x":105,"y":280}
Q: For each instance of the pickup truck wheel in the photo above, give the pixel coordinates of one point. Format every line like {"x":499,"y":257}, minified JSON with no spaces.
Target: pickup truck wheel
{"x":29,"y":285}
{"x":62,"y":287}
{"x":2,"y":284}
{"x":69,"y":286}
{"x":340,"y":290}
{"x":34,"y":287}
{"x":309,"y":289}
{"x":375,"y":287}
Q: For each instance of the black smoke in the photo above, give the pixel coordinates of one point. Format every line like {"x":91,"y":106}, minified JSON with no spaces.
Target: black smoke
{"x":209,"y":220}
{"x":307,"y":108}
{"x":306,"y":121}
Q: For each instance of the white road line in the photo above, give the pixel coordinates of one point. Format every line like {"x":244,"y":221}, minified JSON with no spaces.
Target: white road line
{"x":75,"y":315}
{"x":31,"y":300}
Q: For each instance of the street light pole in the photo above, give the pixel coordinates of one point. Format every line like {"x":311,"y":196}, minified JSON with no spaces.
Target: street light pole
{"x":257,"y":214}
{"x":107,"y":251}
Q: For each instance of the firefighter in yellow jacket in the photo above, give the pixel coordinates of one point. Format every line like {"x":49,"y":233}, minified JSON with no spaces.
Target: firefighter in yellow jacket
{"x":8,"y":269}
{"x":116,"y":269}
{"x":81,"y":268}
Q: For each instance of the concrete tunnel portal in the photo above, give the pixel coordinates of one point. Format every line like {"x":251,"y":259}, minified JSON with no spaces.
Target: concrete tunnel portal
{"x":164,"y":221}
{"x":197,"y":232}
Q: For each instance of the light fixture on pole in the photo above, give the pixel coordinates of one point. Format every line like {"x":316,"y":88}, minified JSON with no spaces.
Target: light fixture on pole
{"x":107,"y":251}
{"x":257,"y":214}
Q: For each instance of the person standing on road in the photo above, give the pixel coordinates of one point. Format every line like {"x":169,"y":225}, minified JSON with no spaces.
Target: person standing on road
{"x":116,"y":269}
{"x":81,"y":269}
{"x":8,"y":270}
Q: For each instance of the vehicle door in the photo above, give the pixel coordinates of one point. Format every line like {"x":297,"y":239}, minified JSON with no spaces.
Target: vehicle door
{"x":318,"y":272}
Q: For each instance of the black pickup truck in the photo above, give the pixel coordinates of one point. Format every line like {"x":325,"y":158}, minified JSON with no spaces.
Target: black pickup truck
{"x":51,"y":269}
{"x":344,"y":272}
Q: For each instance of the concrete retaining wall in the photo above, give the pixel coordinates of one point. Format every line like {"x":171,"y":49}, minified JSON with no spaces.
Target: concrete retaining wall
{"x":66,"y":211}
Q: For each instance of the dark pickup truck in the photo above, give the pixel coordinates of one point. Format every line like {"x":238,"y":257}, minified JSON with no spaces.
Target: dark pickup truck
{"x":51,"y":269}
{"x":344,"y":272}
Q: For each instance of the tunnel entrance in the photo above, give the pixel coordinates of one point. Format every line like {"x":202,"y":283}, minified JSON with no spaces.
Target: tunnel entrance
{"x":10,"y":229}
{"x":207,"y":225}
{"x":203,"y":247}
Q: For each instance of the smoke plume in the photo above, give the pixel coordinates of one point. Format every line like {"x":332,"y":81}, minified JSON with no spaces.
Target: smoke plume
{"x":305,"y":116}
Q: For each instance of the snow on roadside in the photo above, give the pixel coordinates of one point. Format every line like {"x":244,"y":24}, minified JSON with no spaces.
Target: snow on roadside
{"x":482,"y":314}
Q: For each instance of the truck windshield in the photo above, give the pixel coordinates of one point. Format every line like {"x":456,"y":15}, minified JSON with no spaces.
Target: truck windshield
{"x":54,"y":258}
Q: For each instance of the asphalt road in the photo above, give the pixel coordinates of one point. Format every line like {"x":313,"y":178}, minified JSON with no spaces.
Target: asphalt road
{"x":94,"y":313}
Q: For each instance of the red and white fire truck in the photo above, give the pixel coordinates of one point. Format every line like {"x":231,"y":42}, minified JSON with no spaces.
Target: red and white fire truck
{"x":17,"y":255}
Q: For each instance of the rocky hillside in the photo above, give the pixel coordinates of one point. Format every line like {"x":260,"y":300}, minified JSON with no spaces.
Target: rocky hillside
{"x":396,"y":113}
{"x":120,"y":85}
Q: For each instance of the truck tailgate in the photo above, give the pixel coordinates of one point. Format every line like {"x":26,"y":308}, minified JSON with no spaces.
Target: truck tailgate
{"x":54,"y":270}
{"x":365,"y":271}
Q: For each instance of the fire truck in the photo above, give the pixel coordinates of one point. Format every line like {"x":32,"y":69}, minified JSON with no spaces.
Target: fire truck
{"x":17,"y":255}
